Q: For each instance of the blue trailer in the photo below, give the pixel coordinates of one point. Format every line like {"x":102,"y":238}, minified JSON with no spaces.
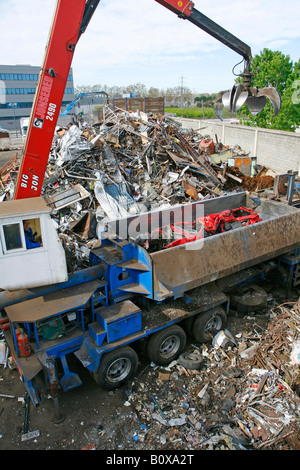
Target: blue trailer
{"x":130,"y":295}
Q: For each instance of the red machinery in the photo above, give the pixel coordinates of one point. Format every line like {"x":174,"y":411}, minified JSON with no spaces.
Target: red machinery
{"x":70,"y":21}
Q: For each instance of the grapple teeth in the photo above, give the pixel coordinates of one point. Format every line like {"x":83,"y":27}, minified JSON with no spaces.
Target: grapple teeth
{"x":272,"y":94}
{"x":231,"y":99}
{"x":218,"y":105}
{"x":256,"y":104}
{"x":236,"y":98}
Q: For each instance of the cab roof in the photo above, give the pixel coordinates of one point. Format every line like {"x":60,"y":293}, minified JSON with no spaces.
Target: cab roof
{"x":23,"y":207}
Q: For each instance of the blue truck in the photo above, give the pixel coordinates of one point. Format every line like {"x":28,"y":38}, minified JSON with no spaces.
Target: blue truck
{"x":131,"y":295}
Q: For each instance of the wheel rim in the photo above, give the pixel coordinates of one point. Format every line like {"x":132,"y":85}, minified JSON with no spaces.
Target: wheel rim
{"x":215,"y":324}
{"x":119,"y":370}
{"x":170,"y":346}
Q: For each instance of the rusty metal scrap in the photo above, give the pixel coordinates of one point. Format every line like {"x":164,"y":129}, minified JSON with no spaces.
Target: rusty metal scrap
{"x":129,"y":163}
{"x":126,"y":164}
{"x":275,"y":405}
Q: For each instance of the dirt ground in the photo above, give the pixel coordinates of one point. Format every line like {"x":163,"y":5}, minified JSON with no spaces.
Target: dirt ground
{"x":95,"y":419}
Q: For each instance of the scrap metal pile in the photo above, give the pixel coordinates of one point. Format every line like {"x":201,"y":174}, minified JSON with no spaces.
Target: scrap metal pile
{"x":127,"y":164}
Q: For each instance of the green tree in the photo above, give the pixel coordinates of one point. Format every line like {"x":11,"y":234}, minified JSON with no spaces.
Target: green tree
{"x":203,"y":97}
{"x":154,"y":92}
{"x":139,"y":88}
{"x":272,"y":68}
{"x":289,"y":117}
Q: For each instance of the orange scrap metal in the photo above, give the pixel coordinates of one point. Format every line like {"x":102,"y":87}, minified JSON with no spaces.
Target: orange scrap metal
{"x":10,"y":165}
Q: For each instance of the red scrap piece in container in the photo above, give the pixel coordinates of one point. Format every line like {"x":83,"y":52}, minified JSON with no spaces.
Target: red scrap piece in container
{"x":215,"y":223}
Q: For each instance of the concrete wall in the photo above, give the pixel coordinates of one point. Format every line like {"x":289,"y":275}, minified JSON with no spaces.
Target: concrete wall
{"x":277,"y":150}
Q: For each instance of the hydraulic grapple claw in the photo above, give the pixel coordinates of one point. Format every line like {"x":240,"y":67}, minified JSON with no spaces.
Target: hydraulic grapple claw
{"x":242,"y":93}
{"x":272,"y":94}
{"x":233,"y":100}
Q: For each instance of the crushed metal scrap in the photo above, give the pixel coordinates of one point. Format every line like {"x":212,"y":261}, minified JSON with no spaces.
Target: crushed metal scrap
{"x":127,"y":164}
{"x":241,"y":392}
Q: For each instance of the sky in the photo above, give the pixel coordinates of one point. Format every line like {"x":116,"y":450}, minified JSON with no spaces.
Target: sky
{"x":140,"y":41}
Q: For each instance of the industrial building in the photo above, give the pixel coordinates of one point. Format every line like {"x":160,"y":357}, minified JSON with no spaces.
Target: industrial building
{"x":17,"y":89}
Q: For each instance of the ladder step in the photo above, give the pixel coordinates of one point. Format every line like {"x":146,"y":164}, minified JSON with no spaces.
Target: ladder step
{"x":135,"y":288}
{"x":97,"y":333}
{"x":109,"y":254}
{"x":83,"y":355}
{"x":120,"y":320}
{"x":99,"y":296}
{"x":134,"y":264}
{"x":69,"y":380}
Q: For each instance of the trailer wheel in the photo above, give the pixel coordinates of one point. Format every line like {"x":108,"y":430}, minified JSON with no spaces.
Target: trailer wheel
{"x":166,"y":345}
{"x":191,"y":360}
{"x":117,"y":367}
{"x":208,"y":324}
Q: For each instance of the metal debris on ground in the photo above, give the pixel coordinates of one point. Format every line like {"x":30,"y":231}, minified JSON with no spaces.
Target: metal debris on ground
{"x":239,"y":393}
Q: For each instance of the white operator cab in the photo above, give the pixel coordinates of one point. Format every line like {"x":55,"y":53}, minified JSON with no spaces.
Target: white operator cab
{"x":24,"y":265}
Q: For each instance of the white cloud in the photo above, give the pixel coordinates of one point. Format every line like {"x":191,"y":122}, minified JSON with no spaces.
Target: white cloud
{"x":139,"y":40}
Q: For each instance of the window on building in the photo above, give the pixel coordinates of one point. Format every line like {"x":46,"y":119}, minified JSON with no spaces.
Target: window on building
{"x":18,"y":91}
{"x":27,"y":91}
{"x":19,"y":105}
{"x":19,"y":76}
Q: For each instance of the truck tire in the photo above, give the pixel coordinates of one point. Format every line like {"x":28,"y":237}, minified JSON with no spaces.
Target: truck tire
{"x":207,"y":324}
{"x":166,"y":345}
{"x":252,"y":298}
{"x":190,"y":360}
{"x":117,"y":367}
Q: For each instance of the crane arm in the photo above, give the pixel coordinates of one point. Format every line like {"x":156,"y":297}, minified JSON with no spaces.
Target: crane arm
{"x":69,"y":22}
{"x":185,"y":9}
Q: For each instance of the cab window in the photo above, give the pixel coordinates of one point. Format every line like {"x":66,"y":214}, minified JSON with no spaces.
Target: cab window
{"x":32,"y":232}
{"x":12,"y":237}
{"x":22,"y":235}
